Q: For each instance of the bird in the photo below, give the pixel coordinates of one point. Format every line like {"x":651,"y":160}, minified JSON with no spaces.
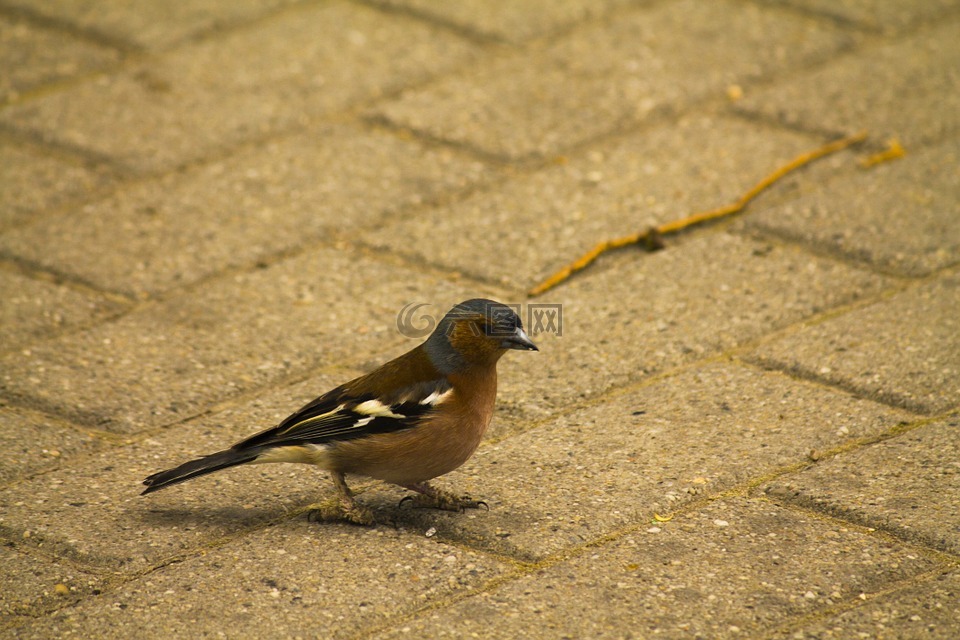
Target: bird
{"x":413,"y":419}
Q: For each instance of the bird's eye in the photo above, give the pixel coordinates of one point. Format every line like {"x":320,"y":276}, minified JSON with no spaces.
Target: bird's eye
{"x":503,"y":323}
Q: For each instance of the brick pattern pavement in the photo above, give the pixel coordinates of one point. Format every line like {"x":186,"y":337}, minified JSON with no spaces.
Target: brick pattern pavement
{"x":212,"y":211}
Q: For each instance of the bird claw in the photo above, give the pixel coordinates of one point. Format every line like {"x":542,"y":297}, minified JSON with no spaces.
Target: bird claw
{"x":443,"y":501}
{"x":476,"y":504}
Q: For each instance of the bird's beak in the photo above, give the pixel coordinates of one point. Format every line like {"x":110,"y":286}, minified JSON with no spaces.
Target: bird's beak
{"x":519,"y":340}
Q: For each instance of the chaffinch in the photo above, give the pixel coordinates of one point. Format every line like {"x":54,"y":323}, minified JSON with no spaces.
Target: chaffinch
{"x":417,"y":417}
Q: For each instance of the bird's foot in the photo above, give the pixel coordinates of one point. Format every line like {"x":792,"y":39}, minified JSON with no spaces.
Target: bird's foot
{"x":428,"y":497}
{"x":336,"y":510}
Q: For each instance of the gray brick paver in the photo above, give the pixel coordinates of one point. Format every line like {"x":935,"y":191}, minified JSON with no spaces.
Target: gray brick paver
{"x":887,"y":16}
{"x":206,"y":97}
{"x":149,"y":24}
{"x":40,"y":583}
{"x":902,"y":216}
{"x":904,"y":350}
{"x":36,"y":442}
{"x":646,"y":178}
{"x":610,"y":76}
{"x":299,"y":191}
{"x":909,"y":484}
{"x":284,"y":581}
{"x":35,"y":309}
{"x":929,"y":609}
{"x":907,"y":89}
{"x":734,"y":567}
{"x":33,"y":57}
{"x":34,"y":182}
{"x":508,"y":20}
{"x":638,"y":313}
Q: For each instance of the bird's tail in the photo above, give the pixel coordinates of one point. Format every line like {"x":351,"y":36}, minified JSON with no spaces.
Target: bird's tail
{"x":199,"y":467}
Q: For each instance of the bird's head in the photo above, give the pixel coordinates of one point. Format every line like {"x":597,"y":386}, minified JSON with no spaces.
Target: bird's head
{"x":476,"y":331}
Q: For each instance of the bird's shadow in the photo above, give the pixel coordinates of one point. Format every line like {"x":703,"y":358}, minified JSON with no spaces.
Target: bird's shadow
{"x":231,"y":515}
{"x":210,"y":517}
{"x":388,"y":512}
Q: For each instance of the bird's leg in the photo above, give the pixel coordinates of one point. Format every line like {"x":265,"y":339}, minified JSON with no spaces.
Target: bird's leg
{"x":343,"y":507}
{"x":430,"y":497}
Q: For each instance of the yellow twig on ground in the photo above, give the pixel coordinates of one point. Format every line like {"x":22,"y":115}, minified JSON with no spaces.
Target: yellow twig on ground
{"x":893,"y":151}
{"x":652,"y":238}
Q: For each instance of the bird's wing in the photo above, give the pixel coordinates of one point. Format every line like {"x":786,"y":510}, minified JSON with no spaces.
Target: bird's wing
{"x":340,"y":415}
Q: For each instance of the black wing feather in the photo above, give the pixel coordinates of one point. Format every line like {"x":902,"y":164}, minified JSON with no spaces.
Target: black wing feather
{"x":335,"y":416}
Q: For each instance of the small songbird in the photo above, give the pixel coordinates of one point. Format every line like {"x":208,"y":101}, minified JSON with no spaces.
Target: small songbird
{"x":417,"y":417}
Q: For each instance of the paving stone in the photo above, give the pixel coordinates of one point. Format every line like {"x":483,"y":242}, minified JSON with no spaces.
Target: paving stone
{"x":909,"y":485}
{"x":34,"y":182}
{"x":291,"y":580}
{"x":696,"y":164}
{"x":35,"y":442}
{"x":168,"y":110}
{"x":917,"y":77}
{"x":929,"y":609}
{"x":180,"y":228}
{"x":888,"y":16}
{"x":65,"y":511}
{"x":636,"y":313}
{"x":507,"y":20}
{"x":37,"y":309}
{"x":150,"y":24}
{"x":30,"y":584}
{"x":902,"y":216}
{"x":32,"y":57}
{"x":608,"y":76}
{"x":652,"y":450}
{"x":168,"y":360}
{"x":735,"y":567}
{"x":904,"y":350}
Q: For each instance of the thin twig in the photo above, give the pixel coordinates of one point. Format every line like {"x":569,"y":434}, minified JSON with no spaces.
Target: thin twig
{"x":893,"y":151}
{"x":652,"y":237}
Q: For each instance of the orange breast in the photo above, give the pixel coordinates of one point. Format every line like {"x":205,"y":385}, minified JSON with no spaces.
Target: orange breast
{"x":437,"y":446}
